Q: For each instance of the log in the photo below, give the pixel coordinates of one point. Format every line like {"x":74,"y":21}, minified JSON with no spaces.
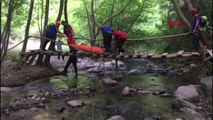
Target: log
{"x":210,"y":52}
{"x":171,"y":55}
{"x":31,"y":60}
{"x":119,"y":56}
{"x":187,"y":54}
{"x":180,"y":53}
{"x":156,"y":57}
{"x":196,"y":54}
{"x":149,"y":56}
{"x":164,"y":54}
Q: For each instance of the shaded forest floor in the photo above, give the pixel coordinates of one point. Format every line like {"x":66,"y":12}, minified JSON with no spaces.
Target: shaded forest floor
{"x":11,"y":76}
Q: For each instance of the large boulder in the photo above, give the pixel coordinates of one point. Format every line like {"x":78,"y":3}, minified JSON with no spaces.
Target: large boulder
{"x":190,"y":114}
{"x":207,"y":84}
{"x":188,"y":93}
{"x":180,"y":103}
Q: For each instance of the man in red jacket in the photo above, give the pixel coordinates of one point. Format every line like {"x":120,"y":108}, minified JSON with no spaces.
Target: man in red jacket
{"x":68,"y":31}
{"x":121,"y":37}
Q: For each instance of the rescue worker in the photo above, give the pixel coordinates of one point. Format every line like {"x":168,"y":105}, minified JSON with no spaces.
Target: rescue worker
{"x":120,"y":37}
{"x":196,"y":29}
{"x":68,"y":31}
{"x":107,"y":37}
{"x":51,"y":33}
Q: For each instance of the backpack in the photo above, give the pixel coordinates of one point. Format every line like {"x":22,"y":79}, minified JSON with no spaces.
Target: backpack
{"x":123,"y":35}
{"x":203,"y":23}
{"x":51,"y":30}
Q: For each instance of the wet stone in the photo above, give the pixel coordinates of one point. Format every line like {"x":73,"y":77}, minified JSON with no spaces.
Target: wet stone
{"x":128,"y":91}
{"x":75,"y":103}
{"x":109,"y":82}
{"x":116,"y":117}
{"x":5,"y":89}
{"x":59,"y":109}
{"x":165,"y":95}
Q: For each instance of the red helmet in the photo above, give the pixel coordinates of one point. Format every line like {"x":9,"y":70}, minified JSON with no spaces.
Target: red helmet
{"x":194,"y":10}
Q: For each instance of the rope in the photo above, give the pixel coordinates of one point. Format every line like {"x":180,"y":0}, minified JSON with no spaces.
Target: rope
{"x":167,"y":36}
{"x":135,"y":39}
{"x":15,"y":45}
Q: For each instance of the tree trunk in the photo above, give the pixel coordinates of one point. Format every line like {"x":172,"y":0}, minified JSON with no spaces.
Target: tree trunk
{"x":0,"y":24}
{"x":60,"y":10}
{"x":180,"y":14}
{"x":188,"y":4}
{"x":47,"y":58}
{"x":38,"y":18}
{"x":42,"y":12}
{"x":112,"y":10}
{"x":65,"y":12}
{"x":20,"y":62}
{"x":6,"y":33}
{"x":93,"y":23}
{"x":40,"y":57}
{"x":88,"y":19}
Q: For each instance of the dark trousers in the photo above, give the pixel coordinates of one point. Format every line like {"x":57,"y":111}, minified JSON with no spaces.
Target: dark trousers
{"x":107,"y":38}
{"x":52,"y":43}
{"x":196,"y":40}
{"x":59,"y":54}
{"x":72,"y":59}
{"x":120,"y":46}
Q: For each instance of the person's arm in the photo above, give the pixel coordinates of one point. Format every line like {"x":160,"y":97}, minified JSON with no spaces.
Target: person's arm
{"x":58,"y":31}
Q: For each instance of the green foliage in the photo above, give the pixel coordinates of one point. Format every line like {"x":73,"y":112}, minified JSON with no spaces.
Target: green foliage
{"x":141,"y":18}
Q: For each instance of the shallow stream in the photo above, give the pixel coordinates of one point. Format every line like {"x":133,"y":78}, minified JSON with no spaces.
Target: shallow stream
{"x":105,"y":101}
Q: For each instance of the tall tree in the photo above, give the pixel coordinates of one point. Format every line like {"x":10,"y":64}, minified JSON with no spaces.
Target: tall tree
{"x":65,"y":11}
{"x":180,"y":14}
{"x":20,"y":62}
{"x":40,"y":57}
{"x":6,"y":32}
{"x":60,"y":10}
{"x":93,"y":22}
{"x":47,"y":58}
{"x":88,"y":19}
{"x":40,"y":16}
{"x":112,"y":10}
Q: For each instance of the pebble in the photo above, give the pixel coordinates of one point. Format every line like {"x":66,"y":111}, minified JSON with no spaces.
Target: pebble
{"x":165,"y":95}
{"x":33,"y":97}
{"x":179,"y":119}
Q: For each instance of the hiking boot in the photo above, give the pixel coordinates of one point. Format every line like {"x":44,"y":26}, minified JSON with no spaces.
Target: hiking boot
{"x":64,"y":73}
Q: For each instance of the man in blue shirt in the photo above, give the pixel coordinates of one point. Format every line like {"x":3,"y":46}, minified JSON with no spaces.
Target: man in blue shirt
{"x":51,"y":33}
{"x":196,"y":29}
{"x":107,"y":37}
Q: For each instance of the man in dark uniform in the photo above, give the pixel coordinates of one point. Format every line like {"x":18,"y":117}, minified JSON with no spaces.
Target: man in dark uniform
{"x":107,"y":37}
{"x":196,"y":29}
{"x":68,"y":31}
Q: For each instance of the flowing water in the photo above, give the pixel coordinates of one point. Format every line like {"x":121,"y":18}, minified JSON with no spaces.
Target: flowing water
{"x":105,"y":101}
